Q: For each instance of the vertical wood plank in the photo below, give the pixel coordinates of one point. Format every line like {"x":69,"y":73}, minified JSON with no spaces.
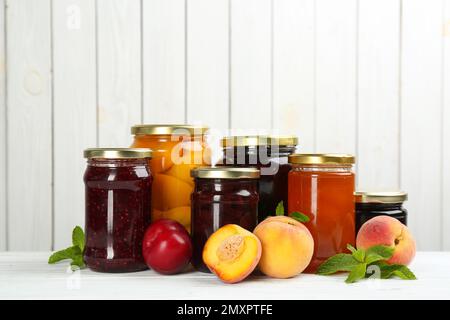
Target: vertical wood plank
{"x":29,"y":100}
{"x":293,"y":70}
{"x":119,"y":70}
{"x":378,"y":94}
{"x":164,"y":61}
{"x":75,"y":109}
{"x":251,"y":58}
{"x":446,"y":127}
{"x":336,"y":76}
{"x":2,"y":128}
{"x":421,"y":103}
{"x":207,"y":63}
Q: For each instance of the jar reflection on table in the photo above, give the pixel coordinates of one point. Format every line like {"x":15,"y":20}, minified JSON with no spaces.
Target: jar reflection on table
{"x":270,"y":155}
{"x":322,"y":187}
{"x":118,"y":203}
{"x":222,"y":196}
{"x":370,"y":204}
{"x":177,"y":149}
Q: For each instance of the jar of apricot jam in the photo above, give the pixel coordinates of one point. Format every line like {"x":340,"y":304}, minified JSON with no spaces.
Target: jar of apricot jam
{"x":322,"y":186}
{"x":176,"y":150}
{"x":370,"y":204}
{"x":222,"y":196}
{"x":118,"y":201}
{"x":270,"y":155}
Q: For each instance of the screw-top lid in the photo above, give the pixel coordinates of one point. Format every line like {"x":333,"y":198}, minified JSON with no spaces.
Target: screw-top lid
{"x":380,"y":196}
{"x":168,"y":129}
{"x":225,"y":173}
{"x":118,"y":153}
{"x":264,"y":140}
{"x":326,"y":159}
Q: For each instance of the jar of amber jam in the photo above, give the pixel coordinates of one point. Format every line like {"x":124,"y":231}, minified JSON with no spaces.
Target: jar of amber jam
{"x":221,"y":196}
{"x":270,"y":155}
{"x":322,"y":186}
{"x":176,"y":150}
{"x":370,"y":204}
{"x":118,"y":201}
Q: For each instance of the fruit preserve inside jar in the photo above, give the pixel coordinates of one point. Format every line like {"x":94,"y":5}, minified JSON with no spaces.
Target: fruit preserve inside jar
{"x":221,"y":196}
{"x":380,"y":203}
{"x":322,"y":187}
{"x":270,"y":155}
{"x":176,"y":150}
{"x":118,"y":201}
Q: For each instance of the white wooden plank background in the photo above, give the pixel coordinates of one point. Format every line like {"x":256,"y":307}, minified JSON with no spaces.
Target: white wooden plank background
{"x":446,"y":127}
{"x":421,"y":127}
{"x":378,"y":93}
{"x":336,"y":76}
{"x":164,"y":63}
{"x":362,"y":76}
{"x":75,"y":109}
{"x":29,"y":116}
{"x":119,"y":70}
{"x":2,"y":128}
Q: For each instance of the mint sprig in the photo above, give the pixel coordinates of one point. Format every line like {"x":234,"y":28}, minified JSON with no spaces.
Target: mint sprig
{"x":74,"y":253}
{"x":300,"y":217}
{"x":358,"y":261}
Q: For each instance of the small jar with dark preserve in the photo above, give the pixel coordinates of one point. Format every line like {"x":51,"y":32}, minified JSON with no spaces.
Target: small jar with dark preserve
{"x":270,"y":155}
{"x":370,"y":204}
{"x":223,"y":195}
{"x":118,"y":208}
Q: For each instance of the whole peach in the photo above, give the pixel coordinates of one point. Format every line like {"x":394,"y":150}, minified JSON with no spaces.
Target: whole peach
{"x":388,"y":231}
{"x":287,"y":247}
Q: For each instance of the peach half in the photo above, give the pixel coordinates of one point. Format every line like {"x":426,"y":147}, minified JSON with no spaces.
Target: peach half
{"x":388,"y":231}
{"x":287,"y":245}
{"x":232,"y":253}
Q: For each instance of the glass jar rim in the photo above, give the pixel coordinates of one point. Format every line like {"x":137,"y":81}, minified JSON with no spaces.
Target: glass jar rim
{"x":322,"y":159}
{"x":169,"y":129}
{"x":226,"y":173}
{"x":118,"y":153}
{"x":258,"y":140}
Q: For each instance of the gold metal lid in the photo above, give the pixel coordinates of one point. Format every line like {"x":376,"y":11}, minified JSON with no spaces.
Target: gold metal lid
{"x":118,"y":153}
{"x":250,"y":141}
{"x":168,"y":129}
{"x":225,"y":173}
{"x":380,"y":196}
{"x":328,"y":158}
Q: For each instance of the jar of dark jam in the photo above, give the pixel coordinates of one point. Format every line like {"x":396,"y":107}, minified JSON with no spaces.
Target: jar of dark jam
{"x":270,"y":155}
{"x":221,"y":196}
{"x":118,"y":206}
{"x":385,"y":203}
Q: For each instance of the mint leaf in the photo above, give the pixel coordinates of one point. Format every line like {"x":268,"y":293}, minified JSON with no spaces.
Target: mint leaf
{"x":279,"y":211}
{"x":378,"y":253}
{"x":300,"y":217}
{"x":390,"y":270}
{"x":77,"y":263}
{"x":339,"y":262}
{"x":69,"y":253}
{"x":78,"y":238}
{"x":359,"y":255}
{"x":357,"y":273}
{"x":351,"y":248}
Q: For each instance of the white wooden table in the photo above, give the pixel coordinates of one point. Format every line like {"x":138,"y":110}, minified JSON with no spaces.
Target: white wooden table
{"x":28,"y":276}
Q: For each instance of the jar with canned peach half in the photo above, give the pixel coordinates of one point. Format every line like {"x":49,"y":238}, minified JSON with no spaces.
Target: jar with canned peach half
{"x":176,"y":150}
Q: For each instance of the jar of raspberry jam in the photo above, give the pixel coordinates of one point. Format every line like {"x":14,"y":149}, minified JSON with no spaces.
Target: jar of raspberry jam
{"x":221,"y":196}
{"x":118,"y":207}
{"x":370,"y":204}
{"x":270,"y":155}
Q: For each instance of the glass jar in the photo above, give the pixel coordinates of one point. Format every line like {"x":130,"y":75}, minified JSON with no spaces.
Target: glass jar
{"x":176,"y":150}
{"x":322,"y":186}
{"x":370,"y":204}
{"x":222,"y":196}
{"x":270,"y":155}
{"x":118,"y":201}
